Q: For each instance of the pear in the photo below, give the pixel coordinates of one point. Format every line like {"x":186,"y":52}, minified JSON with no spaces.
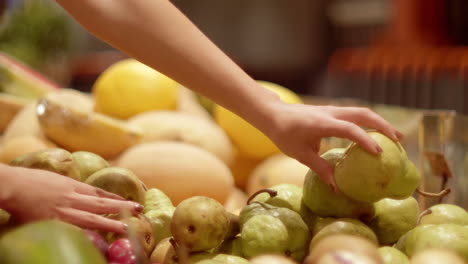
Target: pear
{"x":231,"y":246}
{"x":264,"y":234}
{"x":339,"y":257}
{"x":324,"y":202}
{"x":346,"y":243}
{"x":230,"y":259}
{"x":330,"y":226}
{"x":366,"y":177}
{"x":120,"y":181}
{"x":445,"y":214}
{"x":393,"y":218}
{"x":52,"y":159}
{"x":141,"y":228}
{"x":199,"y":223}
{"x":156,"y":199}
{"x":287,"y":196}
{"x":271,"y":259}
{"x":392,"y":255}
{"x":445,"y":236}
{"x":436,"y":256}
{"x":88,"y":163}
{"x":160,"y":251}
{"x":159,"y":210}
{"x":298,"y":231}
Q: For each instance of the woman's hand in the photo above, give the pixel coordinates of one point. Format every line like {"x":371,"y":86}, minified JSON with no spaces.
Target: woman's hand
{"x":297,"y":129}
{"x":30,"y":194}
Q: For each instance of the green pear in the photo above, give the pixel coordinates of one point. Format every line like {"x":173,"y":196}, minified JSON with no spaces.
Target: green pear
{"x":52,"y":159}
{"x":160,"y":221}
{"x":393,"y":218}
{"x":331,"y":226}
{"x":264,"y":234}
{"x":323,"y":201}
{"x":288,"y":196}
{"x":445,"y":236}
{"x":231,"y":246}
{"x":366,"y":177}
{"x":156,"y":199}
{"x":445,"y":214}
{"x":392,"y":255}
{"x":199,"y":223}
{"x":230,"y":259}
{"x":297,"y":229}
{"x":119,"y":181}
{"x":436,"y":256}
{"x":88,"y":163}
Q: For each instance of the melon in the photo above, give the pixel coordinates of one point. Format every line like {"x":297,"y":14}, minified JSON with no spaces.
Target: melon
{"x":184,"y":127}
{"x":242,"y":167}
{"x":276,"y":170}
{"x":18,"y":146}
{"x":25,"y":123}
{"x":179,"y":169}
{"x":51,"y":242}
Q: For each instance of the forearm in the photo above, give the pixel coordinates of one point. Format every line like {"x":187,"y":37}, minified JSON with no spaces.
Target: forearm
{"x":159,"y":35}
{"x":6,"y":180}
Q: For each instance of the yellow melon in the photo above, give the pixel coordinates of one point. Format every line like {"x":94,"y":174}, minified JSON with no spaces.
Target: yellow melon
{"x":241,"y":168}
{"x":187,"y":128}
{"x":275,"y":170}
{"x":18,"y":146}
{"x":178,"y":169}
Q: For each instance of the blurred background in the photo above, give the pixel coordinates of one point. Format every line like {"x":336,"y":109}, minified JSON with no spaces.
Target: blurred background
{"x":404,"y":58}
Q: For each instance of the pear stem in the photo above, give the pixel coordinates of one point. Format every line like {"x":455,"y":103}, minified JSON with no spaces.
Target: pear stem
{"x":423,"y":213}
{"x":442,"y":193}
{"x":271,"y":192}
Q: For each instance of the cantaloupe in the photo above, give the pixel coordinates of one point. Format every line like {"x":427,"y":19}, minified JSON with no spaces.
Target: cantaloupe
{"x":183,"y":127}
{"x":241,"y":168}
{"x":18,"y":146}
{"x":178,"y":169}
{"x":275,"y":170}
{"x":236,"y":200}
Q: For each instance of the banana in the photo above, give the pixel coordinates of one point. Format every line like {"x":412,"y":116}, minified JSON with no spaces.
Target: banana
{"x":75,"y":128}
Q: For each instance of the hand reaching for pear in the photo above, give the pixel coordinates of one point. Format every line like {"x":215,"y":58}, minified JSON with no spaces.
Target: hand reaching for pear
{"x":31,"y":194}
{"x":297,"y":130}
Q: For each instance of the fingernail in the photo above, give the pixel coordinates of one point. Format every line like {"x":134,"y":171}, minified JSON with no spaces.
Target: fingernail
{"x":125,"y":228}
{"x":138,"y":208}
{"x":378,"y":149}
{"x":399,"y":135}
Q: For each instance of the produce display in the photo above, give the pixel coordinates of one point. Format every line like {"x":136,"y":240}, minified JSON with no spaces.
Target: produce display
{"x":214,"y":189}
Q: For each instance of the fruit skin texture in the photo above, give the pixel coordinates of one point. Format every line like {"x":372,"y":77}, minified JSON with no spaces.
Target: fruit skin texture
{"x":88,"y":163}
{"x":263,"y":234}
{"x":199,"y":223}
{"x":119,"y":181}
{"x":129,"y":87}
{"x":436,"y":256}
{"x":446,"y":214}
{"x":323,"y":201}
{"x":271,"y":259}
{"x":48,"y":242}
{"x":298,"y":232}
{"x":166,"y":165}
{"x":250,"y":141}
{"x":330,"y":226}
{"x":392,"y":255}
{"x":181,"y":127}
{"x":445,"y":236}
{"x":387,"y":175}
{"x":52,"y":159}
{"x":159,"y":211}
{"x":393,"y":218}
{"x":121,"y":251}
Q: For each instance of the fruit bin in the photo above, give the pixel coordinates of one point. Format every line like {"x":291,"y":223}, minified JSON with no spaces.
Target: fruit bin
{"x":441,"y":131}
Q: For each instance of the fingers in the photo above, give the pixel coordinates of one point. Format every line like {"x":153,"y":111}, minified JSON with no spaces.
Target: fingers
{"x":92,"y":221}
{"x":87,"y":189}
{"x":99,"y":205}
{"x":353,"y":132}
{"x":323,"y":169}
{"x":367,"y":118}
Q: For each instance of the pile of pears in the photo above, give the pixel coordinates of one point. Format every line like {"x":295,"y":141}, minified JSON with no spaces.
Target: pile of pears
{"x":371,"y":218}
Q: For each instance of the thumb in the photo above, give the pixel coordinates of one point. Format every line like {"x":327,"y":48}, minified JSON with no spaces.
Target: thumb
{"x":323,"y":169}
